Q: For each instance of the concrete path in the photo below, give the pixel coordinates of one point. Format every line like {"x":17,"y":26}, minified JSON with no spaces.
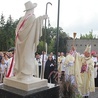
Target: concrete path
{"x":95,"y":94}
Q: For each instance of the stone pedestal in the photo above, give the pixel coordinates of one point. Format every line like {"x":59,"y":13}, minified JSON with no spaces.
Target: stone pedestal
{"x":34,"y":83}
{"x":51,"y":91}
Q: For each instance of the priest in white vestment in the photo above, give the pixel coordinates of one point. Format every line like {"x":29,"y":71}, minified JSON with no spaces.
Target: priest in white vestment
{"x":73,"y":68}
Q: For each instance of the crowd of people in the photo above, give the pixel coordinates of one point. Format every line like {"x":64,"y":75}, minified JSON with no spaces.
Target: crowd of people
{"x":5,"y":61}
{"x":82,"y":69}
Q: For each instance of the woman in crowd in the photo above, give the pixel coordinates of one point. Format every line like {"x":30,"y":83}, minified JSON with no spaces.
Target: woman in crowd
{"x":49,"y":67}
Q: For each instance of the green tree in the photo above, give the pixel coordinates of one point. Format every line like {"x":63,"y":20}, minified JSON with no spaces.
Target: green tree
{"x":88,"y":36}
{"x":40,"y":47}
{"x":7,"y":36}
{"x":2,"y":35}
{"x":51,"y":35}
{"x":51,"y":46}
{"x":2,"y":20}
{"x":62,"y":42}
{"x":7,"y":33}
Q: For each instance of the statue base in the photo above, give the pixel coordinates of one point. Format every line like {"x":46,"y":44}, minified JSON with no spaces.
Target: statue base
{"x":35,"y":83}
{"x":51,"y":91}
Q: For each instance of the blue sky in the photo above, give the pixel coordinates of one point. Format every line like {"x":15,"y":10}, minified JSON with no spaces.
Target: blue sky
{"x":80,"y":16}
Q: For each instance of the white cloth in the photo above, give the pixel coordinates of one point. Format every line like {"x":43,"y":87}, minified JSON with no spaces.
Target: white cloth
{"x":26,"y":44}
{"x":68,"y":62}
{"x":95,"y":72}
{"x":6,"y":61}
{"x":63,"y":67}
{"x":36,"y":72}
{"x":45,"y":58}
{"x":39,"y":61}
{"x":94,"y":59}
{"x":53,"y":57}
{"x":3,"y":67}
{"x":8,"y":68}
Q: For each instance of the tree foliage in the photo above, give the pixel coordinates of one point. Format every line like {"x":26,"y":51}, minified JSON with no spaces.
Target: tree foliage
{"x":50,"y":39}
{"x":7,"y":33}
{"x":62,"y":41}
{"x":88,"y":36}
{"x":7,"y":36}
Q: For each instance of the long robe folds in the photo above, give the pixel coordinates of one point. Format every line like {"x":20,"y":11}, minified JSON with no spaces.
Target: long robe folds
{"x":87,"y":77}
{"x":72,"y":68}
{"x":27,"y":39}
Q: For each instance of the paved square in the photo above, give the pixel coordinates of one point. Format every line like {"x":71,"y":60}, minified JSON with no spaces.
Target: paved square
{"x":95,"y":94}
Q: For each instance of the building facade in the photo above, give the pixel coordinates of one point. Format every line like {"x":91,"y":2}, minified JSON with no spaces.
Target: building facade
{"x":81,"y":44}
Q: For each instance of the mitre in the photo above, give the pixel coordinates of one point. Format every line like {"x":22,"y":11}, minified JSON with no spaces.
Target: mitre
{"x":88,"y":49}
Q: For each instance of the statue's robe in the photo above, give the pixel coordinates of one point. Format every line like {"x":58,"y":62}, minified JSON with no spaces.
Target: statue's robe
{"x":27,"y":39}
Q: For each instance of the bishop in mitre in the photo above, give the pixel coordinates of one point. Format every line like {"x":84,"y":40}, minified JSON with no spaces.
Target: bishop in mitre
{"x":87,"y":73}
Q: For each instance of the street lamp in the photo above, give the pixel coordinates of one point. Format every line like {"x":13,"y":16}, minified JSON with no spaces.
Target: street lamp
{"x":42,"y":70}
{"x":57,"y":34}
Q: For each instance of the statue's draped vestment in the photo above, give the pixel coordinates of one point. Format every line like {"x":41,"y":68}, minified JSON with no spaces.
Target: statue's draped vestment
{"x":27,"y":39}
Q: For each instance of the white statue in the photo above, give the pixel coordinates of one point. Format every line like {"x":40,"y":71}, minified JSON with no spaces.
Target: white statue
{"x":28,"y":32}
